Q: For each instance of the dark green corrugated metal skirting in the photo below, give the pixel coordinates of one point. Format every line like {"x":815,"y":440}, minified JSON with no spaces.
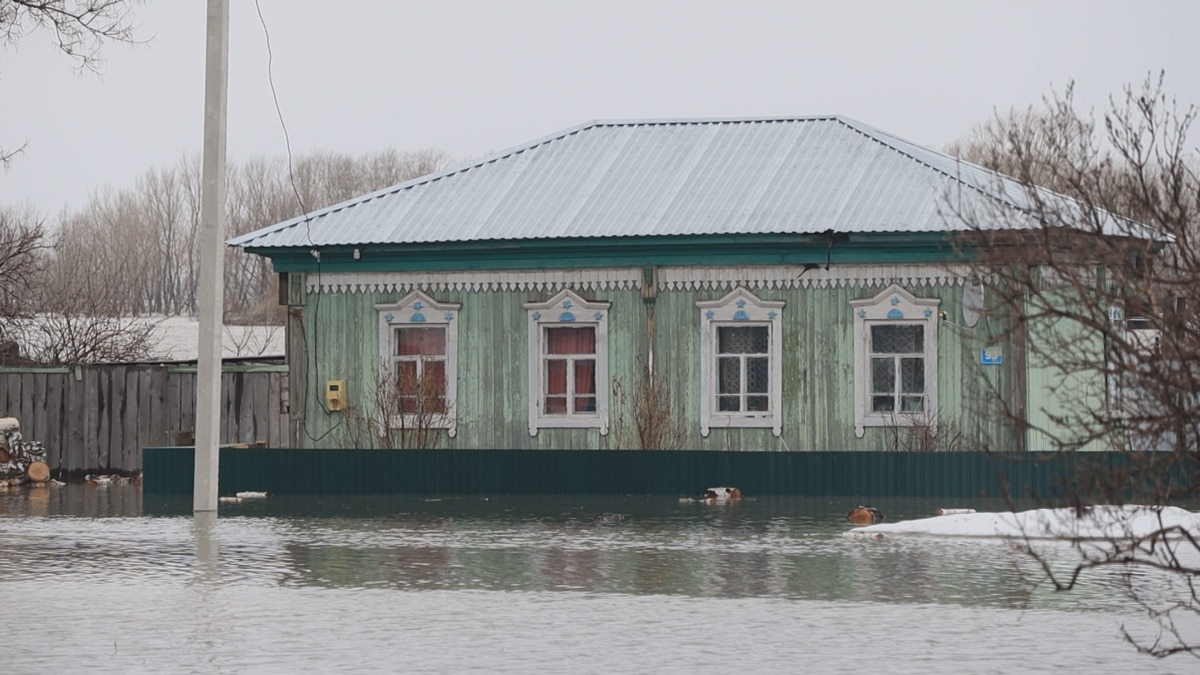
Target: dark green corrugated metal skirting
{"x":1049,"y":476}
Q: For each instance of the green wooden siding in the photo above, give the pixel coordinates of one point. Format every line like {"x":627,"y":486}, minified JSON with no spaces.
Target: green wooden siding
{"x":1056,"y":396}
{"x":818,"y":370}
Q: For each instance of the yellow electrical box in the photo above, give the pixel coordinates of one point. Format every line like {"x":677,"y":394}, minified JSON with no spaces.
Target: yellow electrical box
{"x":335,"y":395}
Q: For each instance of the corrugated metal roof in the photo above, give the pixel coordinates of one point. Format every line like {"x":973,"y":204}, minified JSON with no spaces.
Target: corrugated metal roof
{"x":631,"y":178}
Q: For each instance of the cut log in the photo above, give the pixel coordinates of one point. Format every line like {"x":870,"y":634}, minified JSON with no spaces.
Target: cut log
{"x":5,"y":455}
{"x":38,"y":472}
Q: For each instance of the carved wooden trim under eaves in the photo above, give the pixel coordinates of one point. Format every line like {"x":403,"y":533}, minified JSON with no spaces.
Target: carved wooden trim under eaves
{"x":793,"y":276}
{"x":631,"y":278}
{"x":623,"y":278}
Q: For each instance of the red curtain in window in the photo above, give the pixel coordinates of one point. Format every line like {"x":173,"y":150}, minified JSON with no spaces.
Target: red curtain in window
{"x":585,"y":383}
{"x":421,"y":342}
{"x":421,"y":377}
{"x":569,"y":342}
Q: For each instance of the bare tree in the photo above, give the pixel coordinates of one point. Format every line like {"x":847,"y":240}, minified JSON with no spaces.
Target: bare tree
{"x":647,"y":418}
{"x":79,"y":28}
{"x":105,"y":243}
{"x":23,"y":258}
{"x":400,"y":411}
{"x":1100,"y":297}
{"x":75,"y":337}
{"x":941,"y":433}
{"x":139,"y":245}
{"x":1032,"y":145}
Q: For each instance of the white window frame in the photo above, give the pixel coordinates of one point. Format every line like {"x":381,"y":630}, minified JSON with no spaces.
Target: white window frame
{"x":740,"y":308}
{"x":893,"y":305}
{"x":417,"y":310}
{"x":567,"y":309}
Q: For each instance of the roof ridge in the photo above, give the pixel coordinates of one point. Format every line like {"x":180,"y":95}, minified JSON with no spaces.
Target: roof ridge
{"x":896,"y":142}
{"x":666,"y":121}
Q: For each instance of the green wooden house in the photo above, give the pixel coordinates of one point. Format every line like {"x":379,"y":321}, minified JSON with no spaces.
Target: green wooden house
{"x":783,"y":284}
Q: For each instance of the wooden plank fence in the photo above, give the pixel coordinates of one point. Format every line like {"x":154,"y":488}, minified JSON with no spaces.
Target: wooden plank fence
{"x":97,"y":418}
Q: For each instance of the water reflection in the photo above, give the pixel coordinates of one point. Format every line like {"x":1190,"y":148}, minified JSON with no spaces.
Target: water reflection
{"x":249,"y":588}
{"x":767,"y":547}
{"x":72,"y":500}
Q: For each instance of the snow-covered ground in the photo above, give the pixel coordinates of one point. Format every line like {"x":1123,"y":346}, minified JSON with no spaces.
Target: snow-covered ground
{"x":177,"y":339}
{"x":1094,"y":523}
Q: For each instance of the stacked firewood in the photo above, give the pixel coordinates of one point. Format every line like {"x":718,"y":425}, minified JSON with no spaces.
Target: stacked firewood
{"x":20,"y":461}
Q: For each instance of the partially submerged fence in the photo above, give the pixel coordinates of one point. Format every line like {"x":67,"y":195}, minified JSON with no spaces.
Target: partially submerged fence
{"x":98,"y":418}
{"x":1017,"y":475}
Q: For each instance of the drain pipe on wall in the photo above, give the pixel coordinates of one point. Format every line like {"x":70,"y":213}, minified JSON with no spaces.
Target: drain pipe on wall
{"x":649,"y":297}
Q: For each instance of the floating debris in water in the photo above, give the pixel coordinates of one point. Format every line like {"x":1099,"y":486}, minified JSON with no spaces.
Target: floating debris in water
{"x":715,"y":495}
{"x":864,"y":515}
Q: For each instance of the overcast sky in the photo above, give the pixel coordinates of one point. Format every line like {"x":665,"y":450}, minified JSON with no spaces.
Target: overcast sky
{"x":470,"y":78}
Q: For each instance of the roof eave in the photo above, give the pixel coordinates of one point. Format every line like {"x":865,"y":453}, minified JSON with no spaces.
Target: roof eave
{"x":773,"y":249}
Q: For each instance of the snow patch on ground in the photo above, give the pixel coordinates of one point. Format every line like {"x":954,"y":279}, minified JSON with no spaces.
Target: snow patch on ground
{"x":1096,"y":522}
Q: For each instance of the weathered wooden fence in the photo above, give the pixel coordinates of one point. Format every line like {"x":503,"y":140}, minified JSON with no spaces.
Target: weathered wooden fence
{"x":98,"y":418}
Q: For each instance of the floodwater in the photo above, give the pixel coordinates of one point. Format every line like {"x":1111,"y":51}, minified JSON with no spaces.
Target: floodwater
{"x":89,"y":583}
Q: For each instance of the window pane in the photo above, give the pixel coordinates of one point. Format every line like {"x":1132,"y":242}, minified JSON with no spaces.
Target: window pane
{"x":433,"y":387}
{"x":912,"y":376}
{"x":729,"y":375}
{"x":729,"y":403}
{"x":912,"y":403}
{"x":562,"y":340}
{"x":585,"y":376}
{"x":882,"y":404}
{"x":897,"y":338}
{"x":406,"y":378}
{"x":757,"y":403}
{"x":421,"y":341}
{"x":556,"y":376}
{"x":756,"y":375}
{"x":585,"y":404}
{"x":433,"y":381}
{"x":742,"y":339}
{"x":883,"y":375}
{"x":556,"y":405}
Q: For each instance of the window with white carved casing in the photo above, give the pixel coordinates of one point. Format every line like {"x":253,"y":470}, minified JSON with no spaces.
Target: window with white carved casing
{"x":895,"y":360}
{"x":568,"y":363}
{"x":741,"y":362}
{"x":418,"y":347}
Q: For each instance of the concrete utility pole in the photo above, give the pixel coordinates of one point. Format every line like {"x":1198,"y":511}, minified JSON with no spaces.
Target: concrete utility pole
{"x":212,"y":259}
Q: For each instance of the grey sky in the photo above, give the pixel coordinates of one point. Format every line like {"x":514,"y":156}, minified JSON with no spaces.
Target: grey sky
{"x":474,"y":77}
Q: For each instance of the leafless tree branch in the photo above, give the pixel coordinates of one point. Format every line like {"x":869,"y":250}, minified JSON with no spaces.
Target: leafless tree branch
{"x":1103,"y":295}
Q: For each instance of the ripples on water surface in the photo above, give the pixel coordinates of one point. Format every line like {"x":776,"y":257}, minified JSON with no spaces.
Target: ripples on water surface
{"x":560,"y":584}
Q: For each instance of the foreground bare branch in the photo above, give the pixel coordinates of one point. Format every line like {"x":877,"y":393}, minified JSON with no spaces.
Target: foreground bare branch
{"x":1102,"y":295}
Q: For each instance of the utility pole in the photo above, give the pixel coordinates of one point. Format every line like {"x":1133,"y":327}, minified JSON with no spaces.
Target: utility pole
{"x":212,"y":259}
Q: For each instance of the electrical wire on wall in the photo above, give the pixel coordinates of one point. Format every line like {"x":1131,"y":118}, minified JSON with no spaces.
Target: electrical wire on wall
{"x":310,"y":355}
